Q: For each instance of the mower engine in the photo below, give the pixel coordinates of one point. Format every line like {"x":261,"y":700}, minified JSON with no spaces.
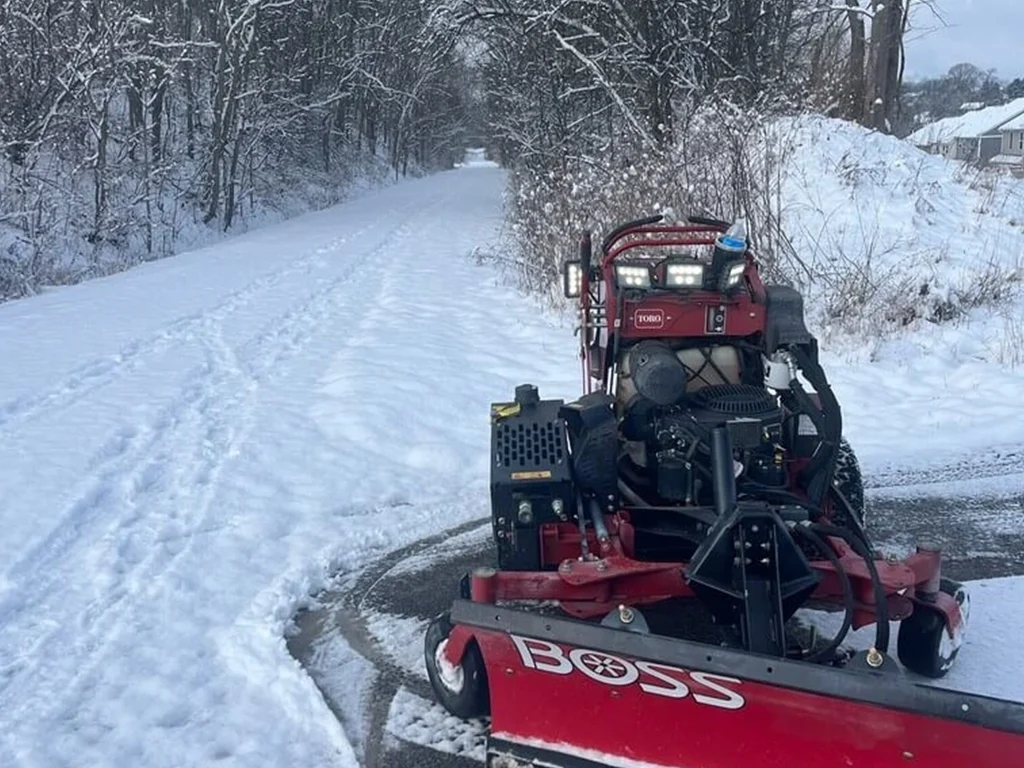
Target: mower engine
{"x":667,"y":423}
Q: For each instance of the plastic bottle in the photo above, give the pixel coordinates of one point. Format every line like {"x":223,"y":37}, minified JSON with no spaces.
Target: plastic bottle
{"x":730,"y":245}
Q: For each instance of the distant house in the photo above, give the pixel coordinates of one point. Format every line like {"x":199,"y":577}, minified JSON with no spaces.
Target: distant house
{"x":1011,"y":151}
{"x":974,"y":136}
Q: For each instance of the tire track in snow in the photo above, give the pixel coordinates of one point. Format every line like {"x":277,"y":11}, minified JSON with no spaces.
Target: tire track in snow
{"x":130,"y":445}
{"x":96,"y":374}
{"x":998,"y":461}
{"x":161,"y":503}
{"x":142,"y":476}
{"x":345,"y":612}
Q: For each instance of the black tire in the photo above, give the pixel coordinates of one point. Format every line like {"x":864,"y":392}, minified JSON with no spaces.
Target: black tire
{"x":467,"y":697}
{"x":920,"y":642}
{"x":848,"y":480}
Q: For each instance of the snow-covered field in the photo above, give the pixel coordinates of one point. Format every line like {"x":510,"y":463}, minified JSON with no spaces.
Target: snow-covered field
{"x":188,"y":451}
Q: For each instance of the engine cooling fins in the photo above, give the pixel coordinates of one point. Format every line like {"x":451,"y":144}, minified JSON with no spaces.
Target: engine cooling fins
{"x":734,"y":400}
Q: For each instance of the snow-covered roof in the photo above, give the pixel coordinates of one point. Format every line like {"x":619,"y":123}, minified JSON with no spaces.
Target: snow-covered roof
{"x":1007,"y":160}
{"x":1016,"y":124}
{"x":981,"y":122}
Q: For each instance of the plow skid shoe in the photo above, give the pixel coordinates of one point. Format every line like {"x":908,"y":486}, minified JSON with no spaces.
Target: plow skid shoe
{"x":568,"y":694}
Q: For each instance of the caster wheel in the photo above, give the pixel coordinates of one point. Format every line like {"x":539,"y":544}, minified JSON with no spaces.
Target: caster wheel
{"x":923,"y":645}
{"x":461,"y":689}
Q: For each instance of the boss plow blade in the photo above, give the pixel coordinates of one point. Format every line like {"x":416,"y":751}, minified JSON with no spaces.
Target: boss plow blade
{"x":568,"y":694}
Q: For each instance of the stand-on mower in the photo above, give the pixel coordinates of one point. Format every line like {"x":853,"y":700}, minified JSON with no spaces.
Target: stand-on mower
{"x":656,"y":537}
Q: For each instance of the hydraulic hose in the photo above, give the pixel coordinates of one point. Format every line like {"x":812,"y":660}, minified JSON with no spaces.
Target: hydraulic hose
{"x":844,"y":579}
{"x":723,"y":477}
{"x":630,"y":495}
{"x":828,"y":420}
{"x":851,"y":517}
{"x":881,"y":606}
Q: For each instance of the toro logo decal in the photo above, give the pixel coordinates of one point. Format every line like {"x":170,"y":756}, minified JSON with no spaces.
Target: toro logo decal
{"x":652,"y":678}
{"x":649,"y":319}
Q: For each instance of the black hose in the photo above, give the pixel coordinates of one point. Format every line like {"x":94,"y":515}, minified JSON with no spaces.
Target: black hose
{"x":816,"y":376}
{"x":851,"y":517}
{"x":780,"y":497}
{"x":844,"y":579}
{"x":630,"y":495}
{"x":830,"y":414}
{"x":806,"y":406}
{"x":881,"y":605}
{"x":724,"y":477}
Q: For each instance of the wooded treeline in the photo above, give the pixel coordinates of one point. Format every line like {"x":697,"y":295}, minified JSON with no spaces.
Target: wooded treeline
{"x":128,"y":127}
{"x":606,"y":109}
{"x":590,"y":70}
{"x":131,"y":128}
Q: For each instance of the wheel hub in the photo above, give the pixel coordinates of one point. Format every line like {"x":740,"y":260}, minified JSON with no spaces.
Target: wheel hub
{"x":451,"y":676}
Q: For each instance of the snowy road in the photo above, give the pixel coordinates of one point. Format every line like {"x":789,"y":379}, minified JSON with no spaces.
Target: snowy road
{"x":189,"y":449}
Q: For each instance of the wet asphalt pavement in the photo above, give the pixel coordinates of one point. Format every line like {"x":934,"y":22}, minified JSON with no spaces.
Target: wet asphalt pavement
{"x":979,"y":530}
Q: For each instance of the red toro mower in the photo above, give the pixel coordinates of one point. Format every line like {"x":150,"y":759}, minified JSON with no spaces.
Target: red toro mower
{"x":656,"y":537}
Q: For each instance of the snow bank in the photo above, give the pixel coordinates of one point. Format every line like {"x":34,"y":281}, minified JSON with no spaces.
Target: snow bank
{"x":911,"y":267}
{"x":886,"y":237}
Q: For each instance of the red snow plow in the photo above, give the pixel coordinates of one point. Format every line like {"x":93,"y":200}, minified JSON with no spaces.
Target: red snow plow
{"x":660,"y":540}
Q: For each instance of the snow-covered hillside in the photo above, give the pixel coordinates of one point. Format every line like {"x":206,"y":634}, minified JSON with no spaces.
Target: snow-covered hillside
{"x":887,"y":233}
{"x":929,"y":256}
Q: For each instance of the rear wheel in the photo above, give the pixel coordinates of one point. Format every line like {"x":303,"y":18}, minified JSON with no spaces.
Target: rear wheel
{"x":848,"y":480}
{"x":923,"y":645}
{"x":462,"y":688}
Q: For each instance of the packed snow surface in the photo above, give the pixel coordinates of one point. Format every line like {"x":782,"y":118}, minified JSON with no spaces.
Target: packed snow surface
{"x":190,"y":449}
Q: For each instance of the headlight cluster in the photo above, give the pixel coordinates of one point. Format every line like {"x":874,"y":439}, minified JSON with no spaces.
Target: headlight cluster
{"x":733,"y":274}
{"x":632,"y":276}
{"x":684,"y":275}
{"x":572,"y":279}
{"x":681,"y":275}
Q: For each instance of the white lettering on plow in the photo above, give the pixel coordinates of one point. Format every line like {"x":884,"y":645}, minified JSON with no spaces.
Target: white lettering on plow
{"x":652,"y":678}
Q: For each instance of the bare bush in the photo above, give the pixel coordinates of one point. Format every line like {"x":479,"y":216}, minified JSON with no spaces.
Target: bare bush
{"x":727,"y":165}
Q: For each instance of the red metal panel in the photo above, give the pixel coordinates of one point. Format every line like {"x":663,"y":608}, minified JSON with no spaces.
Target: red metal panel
{"x":685,"y":316}
{"x":619,"y":710}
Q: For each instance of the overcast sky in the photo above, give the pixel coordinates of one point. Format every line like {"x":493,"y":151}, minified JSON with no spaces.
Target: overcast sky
{"x":988,"y":33}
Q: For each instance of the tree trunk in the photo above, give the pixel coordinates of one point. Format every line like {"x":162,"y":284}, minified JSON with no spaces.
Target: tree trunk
{"x":853,"y":109}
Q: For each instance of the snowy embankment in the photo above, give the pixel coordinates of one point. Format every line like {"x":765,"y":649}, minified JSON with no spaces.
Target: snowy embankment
{"x":187,"y":450}
{"x":932,"y":253}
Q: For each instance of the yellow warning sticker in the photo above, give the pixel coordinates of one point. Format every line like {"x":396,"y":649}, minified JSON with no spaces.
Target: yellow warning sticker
{"x":504,"y":410}
{"x":541,"y":474}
